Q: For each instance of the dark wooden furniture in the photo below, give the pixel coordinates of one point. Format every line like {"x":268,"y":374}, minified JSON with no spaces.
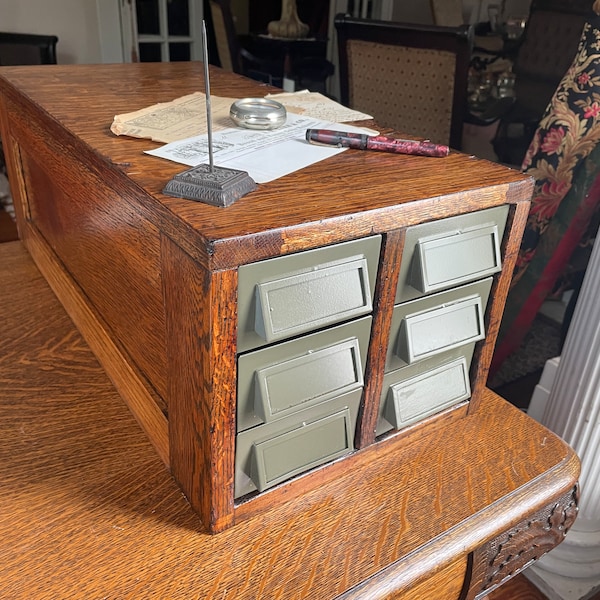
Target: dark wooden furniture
{"x":88,"y":509}
{"x":410,"y":77}
{"x":22,"y":49}
{"x":265,"y":58}
{"x":232,"y":56}
{"x":27,"y":49}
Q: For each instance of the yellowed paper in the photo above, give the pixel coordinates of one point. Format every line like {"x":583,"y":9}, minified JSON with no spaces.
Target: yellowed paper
{"x":318,"y":106}
{"x":185,"y":117}
{"x":171,"y":121}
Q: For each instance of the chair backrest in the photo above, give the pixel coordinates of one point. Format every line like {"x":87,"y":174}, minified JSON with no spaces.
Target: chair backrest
{"x":226,"y":38}
{"x":548,"y":46}
{"x":448,"y":13}
{"x":27,"y":49}
{"x":412,"y":78}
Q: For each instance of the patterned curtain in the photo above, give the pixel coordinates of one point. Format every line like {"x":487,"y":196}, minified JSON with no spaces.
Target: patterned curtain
{"x":564,"y":159}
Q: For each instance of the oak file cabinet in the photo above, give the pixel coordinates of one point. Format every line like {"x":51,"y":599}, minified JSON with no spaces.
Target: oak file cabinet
{"x":264,"y":346}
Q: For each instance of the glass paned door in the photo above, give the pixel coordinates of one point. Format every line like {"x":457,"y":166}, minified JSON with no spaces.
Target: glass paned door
{"x":165,"y":30}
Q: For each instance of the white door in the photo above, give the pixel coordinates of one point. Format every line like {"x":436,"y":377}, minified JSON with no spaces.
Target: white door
{"x":150,"y":30}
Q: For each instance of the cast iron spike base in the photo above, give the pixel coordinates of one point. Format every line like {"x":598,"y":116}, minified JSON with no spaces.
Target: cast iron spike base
{"x":218,"y":186}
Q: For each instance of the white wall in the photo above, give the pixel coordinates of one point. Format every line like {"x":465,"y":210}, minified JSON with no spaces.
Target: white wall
{"x":75,"y":22}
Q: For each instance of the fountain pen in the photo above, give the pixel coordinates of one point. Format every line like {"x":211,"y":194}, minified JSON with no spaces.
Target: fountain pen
{"x":362,"y":141}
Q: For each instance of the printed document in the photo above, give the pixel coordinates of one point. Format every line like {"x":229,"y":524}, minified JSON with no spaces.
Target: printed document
{"x":264,"y":155}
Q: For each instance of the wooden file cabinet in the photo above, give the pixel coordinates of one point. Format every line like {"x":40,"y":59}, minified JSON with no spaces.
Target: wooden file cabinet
{"x":266,"y":346}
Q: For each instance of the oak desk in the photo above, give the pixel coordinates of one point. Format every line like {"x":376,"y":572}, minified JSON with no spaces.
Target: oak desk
{"x":88,"y":510}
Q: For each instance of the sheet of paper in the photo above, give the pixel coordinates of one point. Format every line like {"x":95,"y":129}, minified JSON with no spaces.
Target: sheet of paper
{"x":170,"y":121}
{"x":185,"y":117}
{"x":265,"y":155}
{"x":272,"y":162}
{"x":318,"y":106}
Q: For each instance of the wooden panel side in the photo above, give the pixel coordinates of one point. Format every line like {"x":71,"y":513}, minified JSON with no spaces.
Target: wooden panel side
{"x":201,"y":326}
{"x":97,"y":230}
{"x":510,"y":248}
{"x":134,"y":388}
{"x":14,"y":169}
{"x":383,"y":306}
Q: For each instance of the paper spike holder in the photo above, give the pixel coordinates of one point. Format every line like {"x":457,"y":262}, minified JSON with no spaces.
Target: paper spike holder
{"x":219,"y":186}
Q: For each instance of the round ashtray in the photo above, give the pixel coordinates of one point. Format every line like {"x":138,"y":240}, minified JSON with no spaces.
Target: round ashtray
{"x":258,"y":113}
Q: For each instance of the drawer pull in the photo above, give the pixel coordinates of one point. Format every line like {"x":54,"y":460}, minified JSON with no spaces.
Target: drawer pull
{"x":414,"y":399}
{"x":299,"y":450}
{"x":442,"y":328}
{"x":305,"y":301}
{"x":314,"y":377}
{"x":455,"y":258}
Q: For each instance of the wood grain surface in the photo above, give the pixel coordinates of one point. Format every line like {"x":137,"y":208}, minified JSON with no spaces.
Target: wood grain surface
{"x":286,"y":215}
{"x":120,"y":254}
{"x":519,"y":588}
{"x":88,"y":510}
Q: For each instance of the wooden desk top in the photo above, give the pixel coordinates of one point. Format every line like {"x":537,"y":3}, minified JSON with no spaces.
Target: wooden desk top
{"x":325,"y":201}
{"x":88,"y":510}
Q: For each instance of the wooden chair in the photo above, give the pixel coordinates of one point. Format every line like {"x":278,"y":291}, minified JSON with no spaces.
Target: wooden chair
{"x":253,"y":59}
{"x":412,"y":78}
{"x":233,"y":57}
{"x":27,"y":49}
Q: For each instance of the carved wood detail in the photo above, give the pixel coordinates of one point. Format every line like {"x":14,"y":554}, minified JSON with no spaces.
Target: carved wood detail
{"x":514,"y":550}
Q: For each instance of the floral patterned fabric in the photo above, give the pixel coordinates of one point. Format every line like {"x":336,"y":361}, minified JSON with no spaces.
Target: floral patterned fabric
{"x":564,"y":159}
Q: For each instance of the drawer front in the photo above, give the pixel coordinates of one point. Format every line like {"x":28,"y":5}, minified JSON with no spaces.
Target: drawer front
{"x":296,"y":294}
{"x":451,"y":252}
{"x":439,"y":329}
{"x":274,"y":452}
{"x":310,"y":445}
{"x":438,"y":323}
{"x":277,"y":381}
{"x":413,"y":398}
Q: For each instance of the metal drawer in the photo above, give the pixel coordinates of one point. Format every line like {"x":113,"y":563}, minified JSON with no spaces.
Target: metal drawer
{"x":277,"y":381}
{"x":435,"y":324}
{"x":274,"y":452}
{"x":450,"y":252}
{"x":290,"y":295}
{"x":412,"y":394}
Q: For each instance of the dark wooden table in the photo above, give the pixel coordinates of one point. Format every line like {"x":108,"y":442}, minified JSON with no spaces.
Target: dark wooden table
{"x":88,"y":510}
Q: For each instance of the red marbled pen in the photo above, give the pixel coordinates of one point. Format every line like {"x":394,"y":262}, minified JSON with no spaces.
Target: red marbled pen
{"x":362,"y":141}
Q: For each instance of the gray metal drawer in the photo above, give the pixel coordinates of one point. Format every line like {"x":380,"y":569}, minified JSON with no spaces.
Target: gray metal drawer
{"x":290,"y":295}
{"x":435,"y":324}
{"x":409,"y":397}
{"x":274,"y":452}
{"x":450,"y":252}
{"x":277,"y":381}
